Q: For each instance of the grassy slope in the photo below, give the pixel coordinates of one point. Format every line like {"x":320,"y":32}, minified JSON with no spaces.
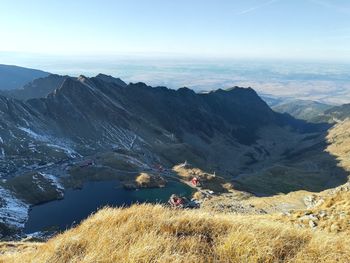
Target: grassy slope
{"x":302,"y":109}
{"x":146,"y":233}
{"x":331,"y":214}
{"x":339,"y":143}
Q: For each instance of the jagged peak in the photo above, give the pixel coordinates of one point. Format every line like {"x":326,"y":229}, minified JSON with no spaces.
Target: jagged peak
{"x":111,"y":79}
{"x":187,"y":91}
{"x":82,"y":78}
{"x":239,"y":89}
{"x":69,"y":83}
{"x":235,"y":91}
{"x":139,"y":85}
{"x":86,"y":82}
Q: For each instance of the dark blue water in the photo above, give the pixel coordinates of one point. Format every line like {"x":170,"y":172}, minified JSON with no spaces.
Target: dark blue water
{"x":78,"y":204}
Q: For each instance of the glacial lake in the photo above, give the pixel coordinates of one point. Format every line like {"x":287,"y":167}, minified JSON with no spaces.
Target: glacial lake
{"x":80,"y":203}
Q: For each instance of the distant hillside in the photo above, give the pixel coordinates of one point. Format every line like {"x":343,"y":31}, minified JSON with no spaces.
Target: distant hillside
{"x":41,"y":87}
{"x":339,"y":112}
{"x":14,"y":77}
{"x":272,"y":100}
{"x":334,"y":114}
{"x":302,"y":109}
{"x":309,"y":110}
{"x":38,"y":88}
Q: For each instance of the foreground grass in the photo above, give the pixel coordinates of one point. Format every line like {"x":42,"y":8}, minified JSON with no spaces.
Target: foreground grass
{"x":148,"y":233}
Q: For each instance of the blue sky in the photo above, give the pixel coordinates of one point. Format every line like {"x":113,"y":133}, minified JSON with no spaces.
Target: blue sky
{"x":293,"y":29}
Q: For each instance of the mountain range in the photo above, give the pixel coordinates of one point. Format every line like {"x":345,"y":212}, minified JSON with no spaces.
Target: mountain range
{"x":55,"y":127}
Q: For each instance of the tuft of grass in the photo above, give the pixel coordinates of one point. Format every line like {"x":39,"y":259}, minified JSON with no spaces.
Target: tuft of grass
{"x":153,"y":233}
{"x":198,"y":195}
{"x":143,"y":179}
{"x":149,"y":180}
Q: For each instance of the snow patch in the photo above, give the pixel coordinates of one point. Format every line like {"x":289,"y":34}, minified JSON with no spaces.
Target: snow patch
{"x":25,"y":121}
{"x":37,"y":183}
{"x":123,"y":137}
{"x":34,"y":135}
{"x":137,"y":162}
{"x":13,"y":212}
{"x":11,"y":134}
{"x":2,"y":153}
{"x":53,"y":180}
{"x":69,"y":151}
{"x":45,"y":138}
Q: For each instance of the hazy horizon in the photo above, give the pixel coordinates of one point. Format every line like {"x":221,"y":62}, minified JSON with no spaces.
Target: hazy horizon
{"x":287,"y":48}
{"x":313,"y":80}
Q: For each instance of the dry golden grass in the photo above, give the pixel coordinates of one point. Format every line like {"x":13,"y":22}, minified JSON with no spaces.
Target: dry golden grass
{"x":207,"y":180}
{"x":143,"y":179}
{"x":198,"y":195}
{"x":277,"y":203}
{"x":14,"y":247}
{"x":228,"y":186}
{"x":149,"y":180}
{"x":332,"y":214}
{"x":339,"y":143}
{"x":188,"y":173}
{"x":152,"y":233}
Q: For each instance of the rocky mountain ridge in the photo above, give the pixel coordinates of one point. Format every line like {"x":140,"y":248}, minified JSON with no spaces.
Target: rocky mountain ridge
{"x":233,"y":132}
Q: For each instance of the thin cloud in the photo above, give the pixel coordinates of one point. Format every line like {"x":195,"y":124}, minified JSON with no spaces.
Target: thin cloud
{"x":254,"y":8}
